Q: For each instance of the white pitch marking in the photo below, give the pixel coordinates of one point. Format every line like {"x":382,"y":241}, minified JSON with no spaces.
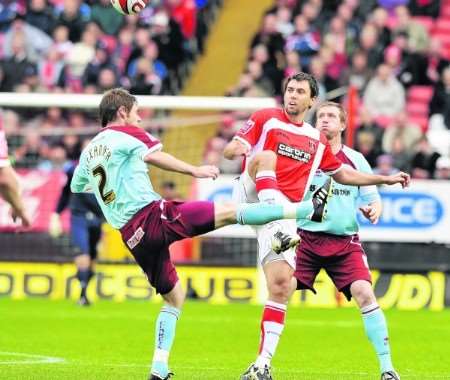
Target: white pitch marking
{"x":30,"y":358}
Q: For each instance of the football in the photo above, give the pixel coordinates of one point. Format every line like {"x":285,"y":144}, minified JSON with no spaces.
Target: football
{"x":129,"y":7}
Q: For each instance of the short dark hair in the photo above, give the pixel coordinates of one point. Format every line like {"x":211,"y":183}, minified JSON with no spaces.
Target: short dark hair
{"x":300,"y":77}
{"x":111,"y":102}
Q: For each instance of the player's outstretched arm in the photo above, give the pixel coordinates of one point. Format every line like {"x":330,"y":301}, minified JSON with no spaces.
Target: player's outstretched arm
{"x":349,"y":176}
{"x":168,"y":162}
{"x":234,"y":149}
{"x":9,"y":189}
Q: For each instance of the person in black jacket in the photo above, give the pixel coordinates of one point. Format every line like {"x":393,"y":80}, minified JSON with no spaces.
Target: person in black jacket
{"x":86,"y":220}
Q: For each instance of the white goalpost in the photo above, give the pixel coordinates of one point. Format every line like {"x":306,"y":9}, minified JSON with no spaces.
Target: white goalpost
{"x":87,"y":101}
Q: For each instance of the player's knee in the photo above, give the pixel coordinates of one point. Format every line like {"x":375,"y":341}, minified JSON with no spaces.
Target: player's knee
{"x":280,"y":288}
{"x":224,"y":213}
{"x":265,"y":160}
{"x":363,"y":294}
{"x":174,"y":295}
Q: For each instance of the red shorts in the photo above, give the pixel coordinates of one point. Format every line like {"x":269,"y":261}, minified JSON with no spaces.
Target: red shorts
{"x":149,"y":233}
{"x":342,"y":257}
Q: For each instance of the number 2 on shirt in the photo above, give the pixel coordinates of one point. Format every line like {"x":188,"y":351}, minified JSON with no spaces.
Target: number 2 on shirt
{"x":110,"y":195}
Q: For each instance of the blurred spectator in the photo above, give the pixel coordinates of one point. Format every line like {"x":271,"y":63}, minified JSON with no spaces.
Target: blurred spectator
{"x":184,"y":12}
{"x":255,"y":70}
{"x":16,"y":64}
{"x":384,"y":95}
{"x":78,"y":58}
{"x":62,"y":44}
{"x":440,"y":102}
{"x":40,"y":14}
{"x":151,"y":53}
{"x":167,"y":35}
{"x":50,"y":69}
{"x":429,"y":67}
{"x":244,"y":84}
{"x":32,"y":150}
{"x":398,"y":62}
{"x":379,"y":19}
{"x":32,"y":81}
{"x":284,"y":24}
{"x":145,"y":80}
{"x":358,"y":73}
{"x":124,"y":48}
{"x":100,"y":61}
{"x":269,"y":36}
{"x":352,"y":24}
{"x":72,"y":17}
{"x":367,"y":124}
{"x":317,"y":69}
{"x":418,"y":38}
{"x":401,"y":128}
{"x":371,"y":45}
{"x":315,"y":18}
{"x":35,"y":42}
{"x":385,"y":165}
{"x":401,"y":156}
{"x":72,"y":145}
{"x":335,"y":62}
{"x":275,"y":74}
{"x":8,"y":10}
{"x":443,"y":168}
{"x":303,"y":41}
{"x":366,"y":145}
{"x":337,"y":29}
{"x":424,"y":7}
{"x":56,"y":160}
{"x":293,"y":65}
{"x":11,"y":125}
{"x":51,"y":119}
{"x":107,"y":79}
{"x":423,"y":164}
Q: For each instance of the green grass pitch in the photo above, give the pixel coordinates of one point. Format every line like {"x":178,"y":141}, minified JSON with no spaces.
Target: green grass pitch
{"x":41,"y":339}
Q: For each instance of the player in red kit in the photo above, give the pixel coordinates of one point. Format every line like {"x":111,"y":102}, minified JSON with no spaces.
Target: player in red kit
{"x":282,"y":155}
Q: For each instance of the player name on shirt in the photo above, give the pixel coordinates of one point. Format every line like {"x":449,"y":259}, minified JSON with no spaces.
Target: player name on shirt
{"x":334,"y":190}
{"x":97,"y":151}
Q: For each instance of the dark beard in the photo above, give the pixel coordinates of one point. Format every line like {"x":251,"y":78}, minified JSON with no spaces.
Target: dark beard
{"x":293,"y":113}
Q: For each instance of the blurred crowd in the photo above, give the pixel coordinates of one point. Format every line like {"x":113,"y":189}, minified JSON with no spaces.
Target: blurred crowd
{"x":76,"y":46}
{"x":395,"y":53}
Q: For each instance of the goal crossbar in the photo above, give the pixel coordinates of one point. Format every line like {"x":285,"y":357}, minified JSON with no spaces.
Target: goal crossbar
{"x":87,"y":101}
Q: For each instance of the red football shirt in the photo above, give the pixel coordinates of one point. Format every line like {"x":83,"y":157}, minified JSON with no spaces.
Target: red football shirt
{"x":300,"y":148}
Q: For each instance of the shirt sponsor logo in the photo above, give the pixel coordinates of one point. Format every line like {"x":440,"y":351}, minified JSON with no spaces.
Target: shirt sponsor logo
{"x":136,"y":238}
{"x":294,"y":153}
